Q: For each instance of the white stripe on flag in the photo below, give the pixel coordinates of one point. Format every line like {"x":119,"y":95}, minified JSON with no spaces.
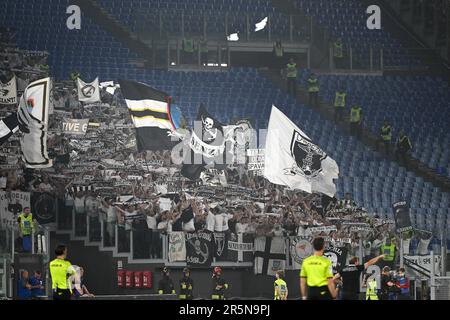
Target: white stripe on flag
{"x":151,"y":105}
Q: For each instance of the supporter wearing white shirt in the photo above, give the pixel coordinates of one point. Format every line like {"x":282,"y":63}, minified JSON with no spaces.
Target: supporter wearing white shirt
{"x":221,"y":222}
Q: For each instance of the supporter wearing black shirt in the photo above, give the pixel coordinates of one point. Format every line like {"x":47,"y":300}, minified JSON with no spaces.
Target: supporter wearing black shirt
{"x":351,"y":275}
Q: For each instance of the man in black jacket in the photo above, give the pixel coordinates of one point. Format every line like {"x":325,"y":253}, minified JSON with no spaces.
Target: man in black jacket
{"x":186,"y":285}
{"x":165,"y":285}
{"x":219,"y":285}
{"x":402,"y":147}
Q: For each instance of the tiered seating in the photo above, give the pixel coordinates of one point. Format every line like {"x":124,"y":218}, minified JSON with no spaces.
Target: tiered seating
{"x":41,"y":25}
{"x":133,"y":12}
{"x":347,"y":19}
{"x":416,"y":105}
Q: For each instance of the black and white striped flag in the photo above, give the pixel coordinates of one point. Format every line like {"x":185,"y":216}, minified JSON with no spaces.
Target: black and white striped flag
{"x":8,"y":126}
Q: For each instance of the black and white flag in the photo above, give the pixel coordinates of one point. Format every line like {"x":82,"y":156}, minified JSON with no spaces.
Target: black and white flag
{"x":270,"y":255}
{"x":8,"y":126}
{"x":240,"y":247}
{"x":293,"y":160}
{"x":8,"y":92}
{"x":151,"y":112}
{"x":77,"y":127}
{"x":220,"y":246}
{"x":207,"y":144}
{"x":33,"y":122}
{"x":199,"y":249}
{"x":401,"y":216}
{"x":44,"y":207}
{"x":300,"y":248}
{"x":337,"y":256}
{"x":88,"y":92}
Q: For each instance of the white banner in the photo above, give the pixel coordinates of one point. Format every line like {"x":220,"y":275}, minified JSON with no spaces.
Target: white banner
{"x":88,"y":92}
{"x":8,"y":92}
{"x":322,"y":229}
{"x":75,"y":126}
{"x":12,"y":204}
{"x":177,"y":246}
{"x":424,"y":264}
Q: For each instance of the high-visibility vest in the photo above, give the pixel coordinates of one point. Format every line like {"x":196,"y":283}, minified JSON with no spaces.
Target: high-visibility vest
{"x":313,"y":85}
{"x":281,"y":284}
{"x":292,"y":70}
{"x":355,"y":115}
{"x":188,"y":45}
{"x":338,"y":53}
{"x":339,"y":100}
{"x":371,"y":291}
{"x":26,"y":224}
{"x":389,"y":252}
{"x":386,"y":133}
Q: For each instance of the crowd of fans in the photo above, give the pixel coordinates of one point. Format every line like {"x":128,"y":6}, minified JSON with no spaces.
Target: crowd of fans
{"x":101,"y":177}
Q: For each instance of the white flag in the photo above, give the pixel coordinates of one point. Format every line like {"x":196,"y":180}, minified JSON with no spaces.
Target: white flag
{"x":177,"y":246}
{"x":8,"y":92}
{"x":293,"y":160}
{"x":33,"y":122}
{"x":88,"y":92}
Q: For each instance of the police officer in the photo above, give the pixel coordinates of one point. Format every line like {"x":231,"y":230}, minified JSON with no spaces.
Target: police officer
{"x":291,"y":74}
{"x":60,"y":271}
{"x":385,"y":137}
{"x":219,"y":286}
{"x":402,"y":147}
{"x":371,"y":289}
{"x":186,"y":285}
{"x":280,"y":286}
{"x":338,"y":53}
{"x":316,"y":276}
{"x":355,"y":121}
{"x":26,"y":228}
{"x":339,"y":105}
{"x":165,"y":285}
{"x":313,"y":90}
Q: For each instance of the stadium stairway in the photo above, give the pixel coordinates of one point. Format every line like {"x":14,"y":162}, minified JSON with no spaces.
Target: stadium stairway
{"x":368,"y":138}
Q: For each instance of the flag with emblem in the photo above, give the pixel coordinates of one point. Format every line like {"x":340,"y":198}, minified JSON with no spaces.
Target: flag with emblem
{"x":88,"y":92}
{"x":300,"y":248}
{"x":292,"y":159}
{"x":152,"y":116}
{"x":8,"y":126}
{"x":270,"y":255}
{"x":33,"y":123}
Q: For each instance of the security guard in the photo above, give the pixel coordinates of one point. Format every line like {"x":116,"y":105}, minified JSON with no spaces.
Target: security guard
{"x":219,"y":285}
{"x":338,"y":53}
{"x":280,"y":286}
{"x":278,"y":52}
{"x":165,"y":285}
{"x":26,"y":228}
{"x":386,"y":137}
{"x":186,"y":285}
{"x":60,"y":271}
{"x":402,"y":147}
{"x":291,"y":74}
{"x":355,"y":121}
{"x":316,"y":276}
{"x":371,"y":289}
{"x":313,"y":90}
{"x":388,"y":249}
{"x":339,"y":105}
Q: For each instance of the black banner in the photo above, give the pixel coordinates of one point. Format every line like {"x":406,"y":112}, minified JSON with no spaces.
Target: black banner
{"x":337,"y":256}
{"x":199,"y":249}
{"x":221,"y":246}
{"x":44,"y":207}
{"x":401,"y":216}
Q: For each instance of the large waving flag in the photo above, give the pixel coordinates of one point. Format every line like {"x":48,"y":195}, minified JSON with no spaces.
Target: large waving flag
{"x":207,"y":145}
{"x":33,"y":122}
{"x":293,"y":160}
{"x":151,"y":112}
